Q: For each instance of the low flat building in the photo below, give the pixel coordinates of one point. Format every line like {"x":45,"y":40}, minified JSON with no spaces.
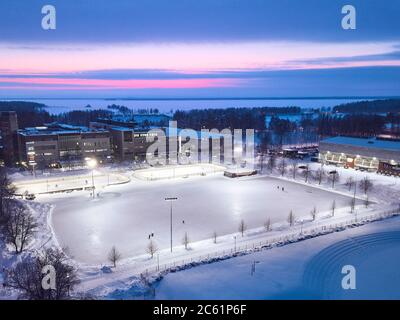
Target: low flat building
{"x":360,"y":153}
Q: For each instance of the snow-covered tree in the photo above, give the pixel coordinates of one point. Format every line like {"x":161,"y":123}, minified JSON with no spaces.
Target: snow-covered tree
{"x":366,"y":184}
{"x":291,"y":218}
{"x":366,"y":201}
{"x":313,"y":213}
{"x":306,"y":172}
{"x":242,"y":227}
{"x":20,"y":226}
{"x":333,"y":178}
{"x":186,"y":240}
{"x":350,"y":182}
{"x":319,"y":175}
{"x":7,"y":191}
{"x":352,"y":204}
{"x":267,"y":224}
{"x":333,"y":207}
{"x":282,"y":167}
{"x":114,"y":256}
{"x":215,"y":235}
{"x":151,"y":248}
{"x":294,"y":169}
{"x":271,"y":164}
{"x":261,"y":161}
{"x":27,"y":276}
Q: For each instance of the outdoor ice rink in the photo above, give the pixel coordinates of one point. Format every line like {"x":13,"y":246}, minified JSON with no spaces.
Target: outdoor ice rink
{"x":124,"y":215}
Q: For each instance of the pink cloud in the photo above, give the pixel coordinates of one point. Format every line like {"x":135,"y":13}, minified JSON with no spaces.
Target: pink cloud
{"x":74,"y":84}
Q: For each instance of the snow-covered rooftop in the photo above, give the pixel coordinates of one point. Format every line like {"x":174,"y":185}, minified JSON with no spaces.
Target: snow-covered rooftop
{"x":365,"y":142}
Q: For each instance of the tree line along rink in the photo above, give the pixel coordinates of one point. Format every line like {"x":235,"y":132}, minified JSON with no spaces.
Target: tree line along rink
{"x":128,"y":215}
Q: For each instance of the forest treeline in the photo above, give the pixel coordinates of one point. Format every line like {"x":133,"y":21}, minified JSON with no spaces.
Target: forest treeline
{"x":374,"y":106}
{"x":363,"y":118}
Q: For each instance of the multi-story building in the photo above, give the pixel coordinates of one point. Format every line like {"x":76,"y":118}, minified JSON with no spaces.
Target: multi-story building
{"x":128,"y":142}
{"x":58,"y":145}
{"x":8,"y":130}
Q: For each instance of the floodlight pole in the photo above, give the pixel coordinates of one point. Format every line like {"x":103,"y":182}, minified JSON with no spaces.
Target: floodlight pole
{"x":93,"y":182}
{"x":171,"y":199}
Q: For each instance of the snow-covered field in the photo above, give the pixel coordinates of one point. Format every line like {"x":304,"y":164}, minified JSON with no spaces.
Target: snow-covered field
{"x":125,"y":215}
{"x":309,"y":269}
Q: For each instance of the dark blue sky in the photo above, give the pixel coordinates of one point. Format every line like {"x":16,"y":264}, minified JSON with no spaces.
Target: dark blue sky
{"x":194,"y":20}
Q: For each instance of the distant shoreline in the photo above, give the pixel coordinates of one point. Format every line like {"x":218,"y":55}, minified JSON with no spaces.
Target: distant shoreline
{"x":209,"y":99}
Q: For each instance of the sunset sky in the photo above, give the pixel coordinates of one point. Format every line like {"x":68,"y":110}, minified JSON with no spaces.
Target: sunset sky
{"x":191,"y":48}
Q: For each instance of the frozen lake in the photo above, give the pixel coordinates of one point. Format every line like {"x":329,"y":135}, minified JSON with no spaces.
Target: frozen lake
{"x":125,"y":215}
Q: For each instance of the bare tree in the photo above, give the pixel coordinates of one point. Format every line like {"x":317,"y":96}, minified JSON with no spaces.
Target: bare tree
{"x":366,"y":185}
{"x":267,"y":224}
{"x":114,"y":256}
{"x":306,"y":172}
{"x":291,"y":218}
{"x":352,"y":204}
{"x":350,"y":183}
{"x":271,"y":164}
{"x":151,"y":248}
{"x":7,"y":190}
{"x":319,"y":175}
{"x":282,"y":167}
{"x":20,"y":227}
{"x":333,"y":207}
{"x":261,"y":161}
{"x":186,"y":240}
{"x":366,"y":201}
{"x":333,"y":178}
{"x":313,"y":213}
{"x":28,"y":276}
{"x":293,"y":169}
{"x":215,"y":235}
{"x":242,"y":227}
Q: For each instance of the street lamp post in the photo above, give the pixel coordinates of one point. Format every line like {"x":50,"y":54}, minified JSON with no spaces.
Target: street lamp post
{"x":92,"y":163}
{"x":171,"y":199}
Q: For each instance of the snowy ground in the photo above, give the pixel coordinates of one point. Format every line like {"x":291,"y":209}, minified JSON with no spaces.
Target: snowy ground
{"x":303,"y":270}
{"x":125,"y":215}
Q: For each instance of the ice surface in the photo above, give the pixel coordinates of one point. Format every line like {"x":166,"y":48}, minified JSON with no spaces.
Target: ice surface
{"x":125,"y":215}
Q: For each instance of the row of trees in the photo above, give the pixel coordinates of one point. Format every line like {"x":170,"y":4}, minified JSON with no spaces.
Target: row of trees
{"x":237,"y":118}
{"x":18,"y":226}
{"x":114,"y":255}
{"x":294,"y":168}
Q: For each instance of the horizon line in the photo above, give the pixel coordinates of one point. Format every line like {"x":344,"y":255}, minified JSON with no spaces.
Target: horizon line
{"x":199,"y":98}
